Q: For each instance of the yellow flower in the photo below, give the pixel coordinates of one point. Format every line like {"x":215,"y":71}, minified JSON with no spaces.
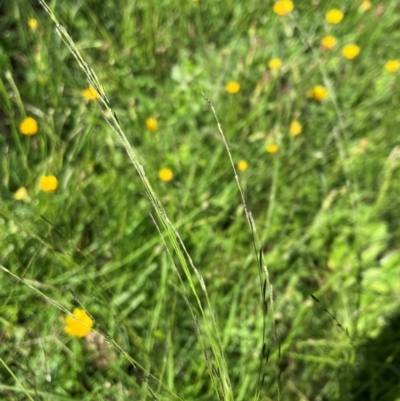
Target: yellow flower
{"x":48,"y":183}
{"x":283,"y":7}
{"x":28,"y":126}
{"x":21,"y":194}
{"x":392,"y":65}
{"x":33,"y":24}
{"x":272,"y":148}
{"x":351,"y":51}
{"x":318,"y":93}
{"x":363,"y":143}
{"x":80,"y":325}
{"x":165,"y":174}
{"x":242,"y":165}
{"x":233,"y":87}
{"x":90,"y":93}
{"x":151,"y":124}
{"x":295,"y":128}
{"x":334,"y":16}
{"x":365,"y":6}
{"x":275,"y":63}
{"x":328,"y":42}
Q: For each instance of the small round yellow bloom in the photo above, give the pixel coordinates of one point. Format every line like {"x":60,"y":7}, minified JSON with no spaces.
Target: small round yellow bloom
{"x":28,"y":126}
{"x":392,"y":65}
{"x":165,"y":174}
{"x":33,"y":24}
{"x":363,"y":143}
{"x":48,"y":183}
{"x":328,"y":42}
{"x":295,"y":128}
{"x":242,"y":165}
{"x":272,"y":148}
{"x":233,"y":87}
{"x":21,"y":194}
{"x":365,"y":6}
{"x":283,"y":7}
{"x":80,"y":325}
{"x":275,"y":63}
{"x":151,"y":124}
{"x":90,"y":93}
{"x":318,"y":93}
{"x":351,"y":51}
{"x":334,"y":16}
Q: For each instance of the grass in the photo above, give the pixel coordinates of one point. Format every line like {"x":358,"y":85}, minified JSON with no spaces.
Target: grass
{"x":168,"y":270}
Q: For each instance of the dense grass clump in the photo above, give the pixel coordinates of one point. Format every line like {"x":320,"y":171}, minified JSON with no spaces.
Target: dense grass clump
{"x":199,"y":200}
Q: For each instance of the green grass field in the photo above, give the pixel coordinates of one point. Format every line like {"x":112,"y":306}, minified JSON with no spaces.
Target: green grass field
{"x":122,"y":200}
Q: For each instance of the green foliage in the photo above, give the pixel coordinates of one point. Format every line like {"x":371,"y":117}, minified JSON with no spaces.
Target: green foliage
{"x":325,"y":205}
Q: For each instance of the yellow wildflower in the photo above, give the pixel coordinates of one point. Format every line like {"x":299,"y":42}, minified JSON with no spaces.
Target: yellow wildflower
{"x":233,"y":87}
{"x":275,"y":63}
{"x":48,"y":183}
{"x":351,"y":51}
{"x":363,"y":143}
{"x":318,"y":93}
{"x":392,"y":65}
{"x":80,"y":325}
{"x":365,"y":6}
{"x":33,"y":24}
{"x":242,"y":165}
{"x":334,"y":16}
{"x":295,"y":128}
{"x":283,"y":7}
{"x":165,"y":174}
{"x":21,"y":194}
{"x":90,"y":93}
{"x":28,"y":126}
{"x":272,"y":148}
{"x":151,"y":124}
{"x":328,"y":42}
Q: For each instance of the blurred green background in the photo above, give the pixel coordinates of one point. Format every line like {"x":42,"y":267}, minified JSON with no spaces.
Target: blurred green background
{"x":325,"y":201}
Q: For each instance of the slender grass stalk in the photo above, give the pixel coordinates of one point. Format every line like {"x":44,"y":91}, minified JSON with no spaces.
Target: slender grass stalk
{"x":210,"y":325}
{"x":263,"y":269}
